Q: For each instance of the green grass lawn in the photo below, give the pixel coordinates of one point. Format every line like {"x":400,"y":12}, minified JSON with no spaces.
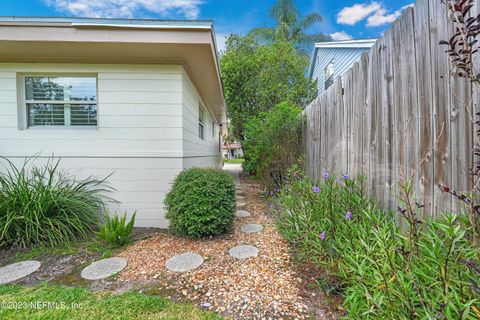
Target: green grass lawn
{"x":74,"y":303}
{"x":234,"y":160}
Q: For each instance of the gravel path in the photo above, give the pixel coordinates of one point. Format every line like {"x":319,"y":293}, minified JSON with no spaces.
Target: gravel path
{"x":266,"y":286}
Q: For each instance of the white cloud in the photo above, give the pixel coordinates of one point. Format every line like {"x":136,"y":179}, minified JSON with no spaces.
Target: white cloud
{"x":375,"y":13}
{"x":357,"y":12}
{"x":126,"y":8}
{"x":382,"y":17}
{"x":341,"y":35}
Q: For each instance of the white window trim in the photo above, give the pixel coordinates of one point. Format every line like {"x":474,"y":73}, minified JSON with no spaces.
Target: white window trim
{"x":201,"y":121}
{"x":22,"y":102}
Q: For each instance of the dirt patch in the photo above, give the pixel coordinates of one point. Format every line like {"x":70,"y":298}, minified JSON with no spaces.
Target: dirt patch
{"x":264,"y":287}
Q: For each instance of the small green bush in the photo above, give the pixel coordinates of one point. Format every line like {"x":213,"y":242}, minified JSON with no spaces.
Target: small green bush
{"x":382,"y":271}
{"x":46,"y":206}
{"x":116,"y":231}
{"x":273,"y":143}
{"x":201,"y":203}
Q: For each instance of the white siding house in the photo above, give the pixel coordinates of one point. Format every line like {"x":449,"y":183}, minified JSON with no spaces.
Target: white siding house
{"x":332,"y":59}
{"x":137,"y":100}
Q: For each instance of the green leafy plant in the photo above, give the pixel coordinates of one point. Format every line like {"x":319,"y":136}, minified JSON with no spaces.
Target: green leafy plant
{"x":201,"y":203}
{"x":424,"y":272}
{"x":258,"y":77}
{"x":43,"y":205}
{"x":116,"y":231}
{"x":273,"y":143}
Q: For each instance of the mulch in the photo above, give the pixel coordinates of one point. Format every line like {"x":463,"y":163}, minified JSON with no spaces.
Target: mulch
{"x":266,"y":287}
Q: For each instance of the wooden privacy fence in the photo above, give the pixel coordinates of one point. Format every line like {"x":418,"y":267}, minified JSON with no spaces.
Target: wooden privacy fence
{"x":398,"y":112}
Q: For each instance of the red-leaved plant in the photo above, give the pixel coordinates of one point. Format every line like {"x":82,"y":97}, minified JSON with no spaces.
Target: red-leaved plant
{"x":463,"y":45}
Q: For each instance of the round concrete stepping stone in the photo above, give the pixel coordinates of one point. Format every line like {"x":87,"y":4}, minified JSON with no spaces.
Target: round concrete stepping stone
{"x":184,"y":262}
{"x":102,"y":269}
{"x":242,"y":214}
{"x":251,"y":228}
{"x":240,"y":198}
{"x":15,"y":271}
{"x":243,"y":251}
{"x":241,"y":204}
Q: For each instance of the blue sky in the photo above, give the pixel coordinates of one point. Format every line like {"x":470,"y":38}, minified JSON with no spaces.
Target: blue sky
{"x":343,"y":19}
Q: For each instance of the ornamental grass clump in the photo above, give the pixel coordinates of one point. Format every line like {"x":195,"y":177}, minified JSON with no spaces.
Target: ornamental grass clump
{"x":426,"y":271}
{"x":201,"y":203}
{"x":43,"y":205}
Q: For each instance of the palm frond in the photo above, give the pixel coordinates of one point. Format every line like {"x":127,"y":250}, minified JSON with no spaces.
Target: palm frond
{"x":284,"y":11}
{"x":309,"y":21}
{"x":263,"y":34}
{"x":310,"y":39}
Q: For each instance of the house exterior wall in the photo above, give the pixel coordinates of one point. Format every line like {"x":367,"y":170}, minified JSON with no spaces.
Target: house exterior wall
{"x":344,"y":58}
{"x":142,"y":139}
{"x":198,"y":152}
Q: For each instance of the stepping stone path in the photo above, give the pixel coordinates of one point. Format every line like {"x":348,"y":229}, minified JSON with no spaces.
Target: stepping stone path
{"x":103,"y":268}
{"x":251,"y":228}
{"x":243,"y":251}
{"x":241,"y":204}
{"x":15,"y":271}
{"x":184,"y":262}
{"x":242,"y":214}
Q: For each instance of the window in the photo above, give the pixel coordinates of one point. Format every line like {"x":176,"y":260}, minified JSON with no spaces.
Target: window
{"x":329,"y":72}
{"x":201,"y":123}
{"x":61,"y":101}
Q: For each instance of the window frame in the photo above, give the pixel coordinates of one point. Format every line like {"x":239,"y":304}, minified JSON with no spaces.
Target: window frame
{"x":24,"y":121}
{"x":201,"y":122}
{"x":329,"y":79}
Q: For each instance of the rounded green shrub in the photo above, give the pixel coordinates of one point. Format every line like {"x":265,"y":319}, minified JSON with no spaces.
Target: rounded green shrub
{"x":201,"y":203}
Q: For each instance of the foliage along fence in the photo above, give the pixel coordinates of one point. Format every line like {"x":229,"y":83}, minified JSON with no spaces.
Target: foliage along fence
{"x":401,"y":112}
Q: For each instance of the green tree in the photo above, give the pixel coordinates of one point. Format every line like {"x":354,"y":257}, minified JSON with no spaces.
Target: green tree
{"x":258,"y":77}
{"x":290,"y":26}
{"x":273,"y":143}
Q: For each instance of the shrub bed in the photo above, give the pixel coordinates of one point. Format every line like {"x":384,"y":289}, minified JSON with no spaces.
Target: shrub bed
{"x":201,"y":203}
{"x":426,"y":272}
{"x":46,"y":206}
{"x":273,"y":143}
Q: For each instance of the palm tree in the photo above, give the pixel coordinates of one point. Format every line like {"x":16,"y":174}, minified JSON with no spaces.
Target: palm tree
{"x":290,"y":26}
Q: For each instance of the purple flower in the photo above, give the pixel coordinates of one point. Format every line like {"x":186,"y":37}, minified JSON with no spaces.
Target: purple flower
{"x":348,"y":215}
{"x":316,"y":189}
{"x":326,"y":175}
{"x":345,"y":177}
{"x":271,"y":205}
{"x":272,"y":193}
{"x":322,"y":235}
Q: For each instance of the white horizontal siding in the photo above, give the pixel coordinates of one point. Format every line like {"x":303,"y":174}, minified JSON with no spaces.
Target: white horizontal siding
{"x":145,"y":85}
{"x":139,"y":111}
{"x":147,"y":132}
{"x":198,"y":152}
{"x":144,"y":109}
{"x":138,"y":142}
{"x":105,"y":134}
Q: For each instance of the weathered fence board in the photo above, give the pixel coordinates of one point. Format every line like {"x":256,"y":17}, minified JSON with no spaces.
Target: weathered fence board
{"x":402,"y":114}
{"x":440,"y":94}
